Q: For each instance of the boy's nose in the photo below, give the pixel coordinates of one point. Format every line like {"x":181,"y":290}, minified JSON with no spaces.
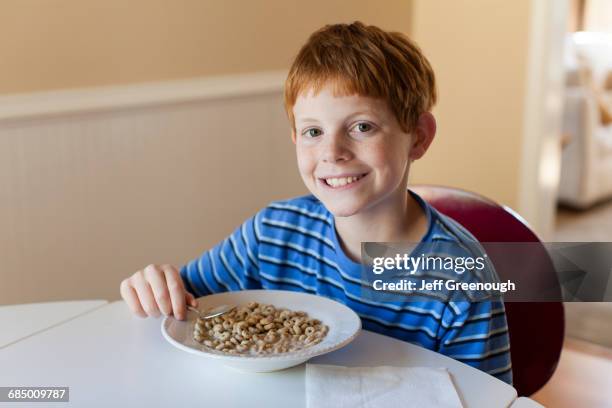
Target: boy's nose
{"x":335,"y":149}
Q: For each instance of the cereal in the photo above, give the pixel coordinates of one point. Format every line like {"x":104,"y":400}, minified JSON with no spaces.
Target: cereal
{"x":259,"y":329}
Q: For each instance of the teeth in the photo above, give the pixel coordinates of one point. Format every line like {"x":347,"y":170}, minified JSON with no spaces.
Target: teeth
{"x":341,"y":181}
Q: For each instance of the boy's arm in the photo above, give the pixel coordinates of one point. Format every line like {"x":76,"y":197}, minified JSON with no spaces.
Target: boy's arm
{"x":477,"y":334}
{"x":231,"y":265}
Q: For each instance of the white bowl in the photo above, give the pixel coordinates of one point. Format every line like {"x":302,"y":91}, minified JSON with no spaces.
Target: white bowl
{"x":343,"y":323}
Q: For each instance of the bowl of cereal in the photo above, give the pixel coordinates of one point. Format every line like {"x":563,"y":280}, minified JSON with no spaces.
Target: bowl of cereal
{"x":268,"y":330}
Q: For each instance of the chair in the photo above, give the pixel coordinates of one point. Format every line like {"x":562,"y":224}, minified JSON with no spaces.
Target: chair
{"x":536,"y":329}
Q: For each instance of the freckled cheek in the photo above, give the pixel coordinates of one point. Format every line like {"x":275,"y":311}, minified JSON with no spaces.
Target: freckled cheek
{"x":390,"y":164}
{"x":306,"y":165}
{"x":378,"y":159}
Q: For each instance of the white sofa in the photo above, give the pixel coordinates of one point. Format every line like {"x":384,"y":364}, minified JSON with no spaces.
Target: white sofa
{"x":586,"y":169}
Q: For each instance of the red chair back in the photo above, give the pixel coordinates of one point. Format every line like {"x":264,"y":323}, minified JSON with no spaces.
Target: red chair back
{"x":536,"y":329}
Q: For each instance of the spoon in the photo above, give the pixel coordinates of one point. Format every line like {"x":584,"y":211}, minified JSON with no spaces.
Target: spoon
{"x":212,"y":312}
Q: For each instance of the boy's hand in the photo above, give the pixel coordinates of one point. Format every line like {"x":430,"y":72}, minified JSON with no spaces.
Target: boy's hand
{"x":156,"y":288}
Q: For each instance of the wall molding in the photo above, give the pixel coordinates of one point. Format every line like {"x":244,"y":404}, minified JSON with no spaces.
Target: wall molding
{"x":109,"y":98}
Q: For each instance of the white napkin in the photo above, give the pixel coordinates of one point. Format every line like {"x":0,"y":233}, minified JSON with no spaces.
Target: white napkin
{"x":373,"y":387}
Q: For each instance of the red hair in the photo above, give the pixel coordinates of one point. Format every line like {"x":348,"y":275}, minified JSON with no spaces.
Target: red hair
{"x":367,"y":61}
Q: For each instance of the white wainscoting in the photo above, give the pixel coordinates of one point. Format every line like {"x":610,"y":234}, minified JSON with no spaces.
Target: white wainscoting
{"x":97,"y":183}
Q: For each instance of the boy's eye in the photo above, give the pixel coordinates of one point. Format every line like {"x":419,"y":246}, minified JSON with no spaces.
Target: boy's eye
{"x":362,"y":127}
{"x":312,"y":132}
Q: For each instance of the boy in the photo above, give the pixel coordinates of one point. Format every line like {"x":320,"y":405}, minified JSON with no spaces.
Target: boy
{"x":358,"y":99}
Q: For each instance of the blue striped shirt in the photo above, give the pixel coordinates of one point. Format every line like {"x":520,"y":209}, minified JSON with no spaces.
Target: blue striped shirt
{"x":292,"y":245}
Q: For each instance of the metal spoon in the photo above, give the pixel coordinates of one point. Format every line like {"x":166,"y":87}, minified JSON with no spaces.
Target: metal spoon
{"x":212,"y":312}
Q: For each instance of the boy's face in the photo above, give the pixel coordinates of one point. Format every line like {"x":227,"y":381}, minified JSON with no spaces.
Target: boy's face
{"x":352,"y":153}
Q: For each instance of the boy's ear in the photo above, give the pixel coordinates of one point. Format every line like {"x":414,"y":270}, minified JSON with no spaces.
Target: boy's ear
{"x":424,"y":133}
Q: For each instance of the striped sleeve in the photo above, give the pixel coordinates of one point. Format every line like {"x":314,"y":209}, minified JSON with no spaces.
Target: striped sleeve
{"x":231,"y":265}
{"x":478,"y":336}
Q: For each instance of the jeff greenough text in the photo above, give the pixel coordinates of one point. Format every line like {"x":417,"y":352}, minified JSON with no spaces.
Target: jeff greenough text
{"x":405,"y":285}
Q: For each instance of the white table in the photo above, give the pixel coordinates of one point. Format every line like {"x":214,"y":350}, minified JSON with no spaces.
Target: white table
{"x":20,"y":321}
{"x":110,"y":358}
{"x":524,"y":402}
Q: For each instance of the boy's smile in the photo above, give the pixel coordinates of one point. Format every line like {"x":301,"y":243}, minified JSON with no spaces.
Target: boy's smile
{"x":352,"y":153}
{"x":342,"y":180}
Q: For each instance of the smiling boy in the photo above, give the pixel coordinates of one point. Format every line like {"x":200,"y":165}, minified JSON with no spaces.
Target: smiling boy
{"x":359,"y":100}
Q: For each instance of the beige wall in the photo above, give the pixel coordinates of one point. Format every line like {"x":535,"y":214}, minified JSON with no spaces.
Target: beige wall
{"x":479,"y":50}
{"x":73,"y":43}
